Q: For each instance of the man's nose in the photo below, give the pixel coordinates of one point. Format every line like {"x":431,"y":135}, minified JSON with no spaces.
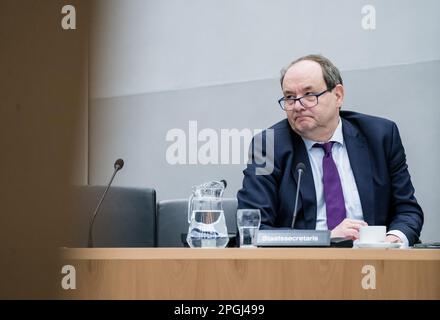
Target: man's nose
{"x":297,"y":106}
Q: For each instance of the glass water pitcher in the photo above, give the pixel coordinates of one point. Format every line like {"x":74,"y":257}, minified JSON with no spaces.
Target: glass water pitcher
{"x":206,"y":218}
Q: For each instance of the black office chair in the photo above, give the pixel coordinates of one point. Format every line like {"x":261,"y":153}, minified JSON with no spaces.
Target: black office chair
{"x":172,"y":221}
{"x":127,"y":217}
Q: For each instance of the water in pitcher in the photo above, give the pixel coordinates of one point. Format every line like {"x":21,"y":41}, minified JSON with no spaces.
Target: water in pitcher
{"x":209,"y":229}
{"x":206,"y":218}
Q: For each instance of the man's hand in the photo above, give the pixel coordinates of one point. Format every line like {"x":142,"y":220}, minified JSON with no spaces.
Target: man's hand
{"x":349,"y":228}
{"x":393,"y":239}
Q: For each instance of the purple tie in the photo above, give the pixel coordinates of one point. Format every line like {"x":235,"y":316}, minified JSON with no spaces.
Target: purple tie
{"x":334,"y":198}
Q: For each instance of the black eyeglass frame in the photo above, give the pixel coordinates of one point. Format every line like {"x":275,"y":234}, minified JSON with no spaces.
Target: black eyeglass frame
{"x":317,"y":95}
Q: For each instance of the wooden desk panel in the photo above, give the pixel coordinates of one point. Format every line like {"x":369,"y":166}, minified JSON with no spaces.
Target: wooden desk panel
{"x":263,"y":273}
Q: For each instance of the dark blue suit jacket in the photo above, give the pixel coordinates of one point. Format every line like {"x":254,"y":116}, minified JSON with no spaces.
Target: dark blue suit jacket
{"x":378,"y":161}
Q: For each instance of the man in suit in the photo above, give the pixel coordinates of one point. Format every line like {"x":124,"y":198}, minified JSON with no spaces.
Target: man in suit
{"x":356,"y":172}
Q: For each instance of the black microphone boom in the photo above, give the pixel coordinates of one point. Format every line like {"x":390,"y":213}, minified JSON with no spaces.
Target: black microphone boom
{"x":300,"y":167}
{"x":119,"y":164}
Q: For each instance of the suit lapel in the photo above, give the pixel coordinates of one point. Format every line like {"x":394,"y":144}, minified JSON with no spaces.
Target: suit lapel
{"x":359,"y":157}
{"x":307,"y":191}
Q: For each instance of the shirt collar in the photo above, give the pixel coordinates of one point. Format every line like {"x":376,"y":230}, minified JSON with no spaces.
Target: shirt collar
{"x":337,"y":137}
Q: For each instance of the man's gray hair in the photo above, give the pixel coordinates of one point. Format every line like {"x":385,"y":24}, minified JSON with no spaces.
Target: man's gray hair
{"x":332,"y":76}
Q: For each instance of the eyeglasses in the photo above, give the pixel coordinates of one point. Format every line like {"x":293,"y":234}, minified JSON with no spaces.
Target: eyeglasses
{"x":307,"y":101}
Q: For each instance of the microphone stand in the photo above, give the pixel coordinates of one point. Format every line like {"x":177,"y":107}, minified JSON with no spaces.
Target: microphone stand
{"x":294,"y":237}
{"x":300,"y":171}
{"x":118,"y":165}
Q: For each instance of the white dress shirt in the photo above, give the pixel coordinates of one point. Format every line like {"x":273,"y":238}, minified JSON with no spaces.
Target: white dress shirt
{"x":352,"y":200}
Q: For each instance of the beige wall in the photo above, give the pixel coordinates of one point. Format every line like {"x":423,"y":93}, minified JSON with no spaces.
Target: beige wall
{"x":43,"y":135}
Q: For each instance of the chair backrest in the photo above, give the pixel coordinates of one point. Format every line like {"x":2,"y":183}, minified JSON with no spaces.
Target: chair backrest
{"x":172,"y":220}
{"x":127,"y":217}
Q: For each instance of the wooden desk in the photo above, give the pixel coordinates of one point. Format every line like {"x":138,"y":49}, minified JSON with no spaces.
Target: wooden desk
{"x":263,"y":273}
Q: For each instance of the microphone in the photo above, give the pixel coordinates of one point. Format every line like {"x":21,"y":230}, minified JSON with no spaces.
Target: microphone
{"x":282,"y":237}
{"x":119,"y":164}
{"x":300,"y":167}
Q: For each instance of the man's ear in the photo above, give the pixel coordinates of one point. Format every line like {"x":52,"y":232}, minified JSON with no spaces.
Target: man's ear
{"x":339,"y":92}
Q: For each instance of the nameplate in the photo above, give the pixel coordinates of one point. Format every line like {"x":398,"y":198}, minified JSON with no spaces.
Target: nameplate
{"x":293,"y":238}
